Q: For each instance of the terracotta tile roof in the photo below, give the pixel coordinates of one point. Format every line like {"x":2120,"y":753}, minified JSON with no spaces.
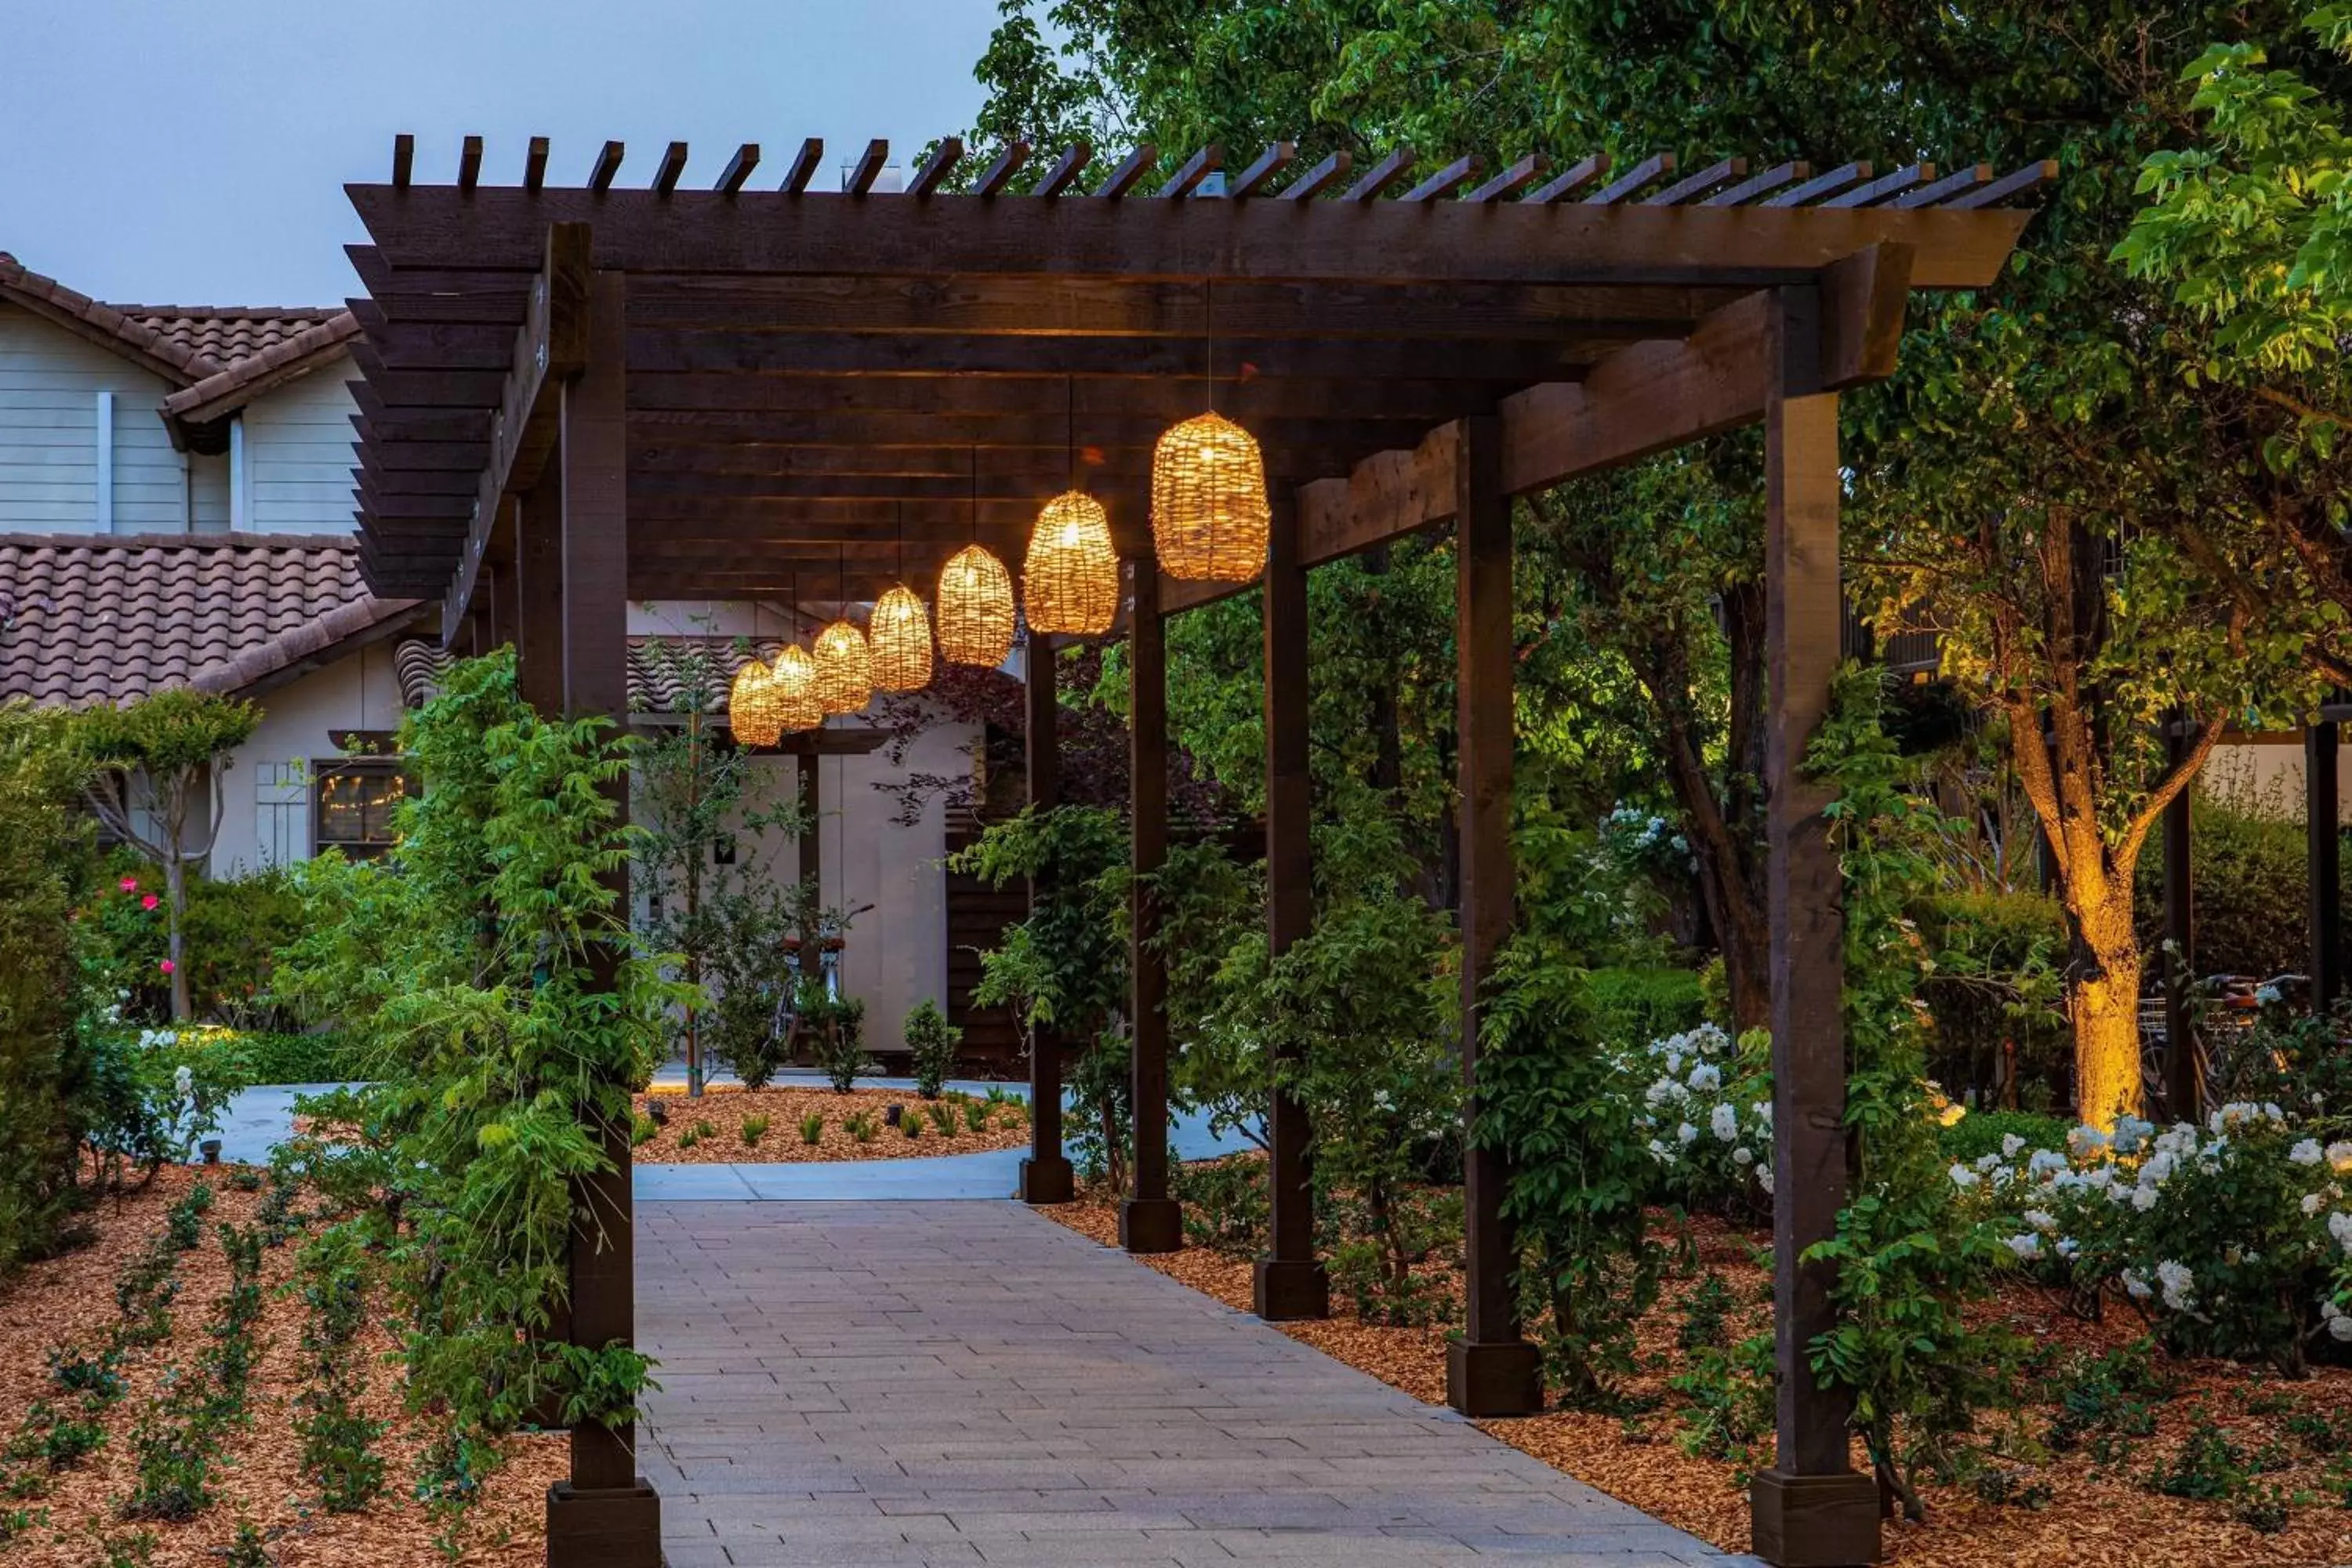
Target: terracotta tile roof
{"x":95,"y":618}
{"x":217,"y":356}
{"x":656,"y":681}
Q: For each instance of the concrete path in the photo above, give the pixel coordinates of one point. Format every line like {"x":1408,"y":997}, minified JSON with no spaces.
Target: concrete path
{"x":877,"y":1383}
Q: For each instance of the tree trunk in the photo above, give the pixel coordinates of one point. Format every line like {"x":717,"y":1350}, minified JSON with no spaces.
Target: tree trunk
{"x":2102,"y":993}
{"x":175,"y":898}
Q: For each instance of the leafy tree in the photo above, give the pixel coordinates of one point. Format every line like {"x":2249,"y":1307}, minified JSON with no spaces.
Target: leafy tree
{"x":722,"y":914}
{"x":169,"y":739}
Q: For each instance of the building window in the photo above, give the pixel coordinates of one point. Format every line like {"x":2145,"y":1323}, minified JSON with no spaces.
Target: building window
{"x":355,"y":802}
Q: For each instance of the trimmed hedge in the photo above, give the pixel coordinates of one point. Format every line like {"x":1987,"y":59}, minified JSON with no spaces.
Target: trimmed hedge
{"x":301,"y":1058}
{"x":1634,"y":1007}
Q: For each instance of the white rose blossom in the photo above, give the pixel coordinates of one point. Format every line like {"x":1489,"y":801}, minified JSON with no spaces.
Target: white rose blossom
{"x":1686,"y":1134}
{"x":1724,"y":1123}
{"x":2027,"y":1247}
{"x":1964,"y":1178}
{"x":1742,"y":1156}
{"x":2178,"y":1283}
{"x":2306,"y":1153}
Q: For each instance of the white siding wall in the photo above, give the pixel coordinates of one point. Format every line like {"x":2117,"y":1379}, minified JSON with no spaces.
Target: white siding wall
{"x":208,"y":492}
{"x":268,"y":781}
{"x":299,"y":454}
{"x":50,"y":383}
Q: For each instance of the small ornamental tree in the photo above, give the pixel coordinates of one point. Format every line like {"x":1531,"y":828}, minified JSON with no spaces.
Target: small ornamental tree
{"x":933,"y":1041}
{"x":171,"y":738}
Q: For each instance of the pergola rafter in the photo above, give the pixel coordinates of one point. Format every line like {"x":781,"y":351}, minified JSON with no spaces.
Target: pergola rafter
{"x":801,"y":395}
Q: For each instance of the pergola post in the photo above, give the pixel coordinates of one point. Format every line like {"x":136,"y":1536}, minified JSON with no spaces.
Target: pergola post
{"x":1811,"y":1510}
{"x":2182,"y":1085}
{"x":2321,"y":740}
{"x":1491,"y":1370}
{"x":1150,"y":1220}
{"x":1046,"y":1175}
{"x":606,"y":1515}
{"x":1289,"y":1282}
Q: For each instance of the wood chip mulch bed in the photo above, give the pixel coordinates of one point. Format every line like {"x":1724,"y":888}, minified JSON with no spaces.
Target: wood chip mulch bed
{"x":2093,"y":1518}
{"x":69,"y":1301}
{"x":723,"y":1110}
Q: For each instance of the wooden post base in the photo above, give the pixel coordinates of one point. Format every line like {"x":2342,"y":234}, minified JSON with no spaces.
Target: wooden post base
{"x":1487,"y":1381}
{"x":1151,"y":1225}
{"x":1290,"y":1291}
{"x":1046,"y":1179}
{"x":616,"y":1527}
{"x":1814,"y":1521}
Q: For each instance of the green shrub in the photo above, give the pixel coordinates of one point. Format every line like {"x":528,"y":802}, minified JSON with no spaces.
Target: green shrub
{"x":813,"y":1129}
{"x":943,"y":1117}
{"x":1630,"y":1006}
{"x":835,"y":1029}
{"x":323,"y":1056}
{"x":911,"y":1123}
{"x":861,"y":1127}
{"x":1996,"y":983}
{"x":933,"y":1041}
{"x":1226,"y":1203}
{"x":754,"y":1127}
{"x":975,"y":1115}
{"x":2248,"y":874}
{"x":1981,"y":1133}
{"x":234,"y":929}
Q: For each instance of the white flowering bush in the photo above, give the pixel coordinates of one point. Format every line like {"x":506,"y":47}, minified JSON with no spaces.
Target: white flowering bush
{"x":2235,"y":1238}
{"x":1705,"y":1113}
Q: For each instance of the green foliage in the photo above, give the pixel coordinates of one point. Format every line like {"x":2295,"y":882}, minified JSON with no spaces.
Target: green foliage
{"x":1549,"y":1103}
{"x":751,"y":1129}
{"x":1726,"y":1410}
{"x":183,"y":1221}
{"x":2247,"y":874}
{"x":1632,"y":1006}
{"x":1995,"y":982}
{"x":834,"y":1027}
{"x":860,"y":1126}
{"x":813,"y":1127}
{"x":943,"y":1117}
{"x":2205,"y":1467}
{"x":338,"y":1439}
{"x":932,"y":1041}
{"x":45,"y":1080}
{"x":1225,"y":1205}
{"x":975,"y":1115}
{"x":487,"y":963}
{"x":1982,"y":1132}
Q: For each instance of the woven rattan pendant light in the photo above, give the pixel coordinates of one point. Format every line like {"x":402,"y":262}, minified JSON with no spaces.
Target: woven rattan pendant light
{"x":900,"y":632}
{"x":845,"y":665}
{"x":751,"y":715}
{"x":792,"y":690}
{"x":975,"y":599}
{"x":1070,"y":581}
{"x":1210,"y":518}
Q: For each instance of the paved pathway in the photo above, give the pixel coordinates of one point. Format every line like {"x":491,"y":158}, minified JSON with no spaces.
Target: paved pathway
{"x":886,"y":1382}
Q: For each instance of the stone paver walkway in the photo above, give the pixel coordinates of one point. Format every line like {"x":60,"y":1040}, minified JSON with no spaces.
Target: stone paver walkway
{"x":883,"y":1382}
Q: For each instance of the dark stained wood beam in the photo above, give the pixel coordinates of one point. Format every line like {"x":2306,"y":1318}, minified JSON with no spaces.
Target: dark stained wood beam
{"x":1045,"y":1174}
{"x":999,"y":174}
{"x":1148,"y":1220}
{"x":1820,"y":185}
{"x":1884,"y":187}
{"x":1960,"y":181}
{"x":1276,"y":157}
{"x":1756,"y":185}
{"x":1322,"y":177}
{"x":1811,"y":1506}
{"x":1288,"y":1283}
{"x":1491,"y":1370}
{"x":1448,"y":180}
{"x":1045,"y":429}
{"x":403,"y":160}
{"x":1130,"y":172}
{"x":1690,"y":187}
{"x":1514,"y":179}
{"x":1569,"y":181}
{"x":1195,"y":169}
{"x":534,"y":163}
{"x":2015,"y":184}
{"x":1170,"y":398}
{"x":607,"y":165}
{"x":1378,"y":179}
{"x":803,"y":166}
{"x":469,"y":162}
{"x":698,"y":231}
{"x":936,"y":167}
{"x":1656,"y":166}
{"x":868,"y":169}
{"x":1065,"y":170}
{"x":739,"y":168}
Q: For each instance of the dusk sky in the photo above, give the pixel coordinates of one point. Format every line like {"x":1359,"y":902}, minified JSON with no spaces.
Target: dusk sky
{"x":161,"y":153}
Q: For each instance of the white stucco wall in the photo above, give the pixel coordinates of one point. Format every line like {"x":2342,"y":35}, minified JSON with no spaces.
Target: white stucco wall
{"x":2266,"y":772}
{"x":266,"y":784}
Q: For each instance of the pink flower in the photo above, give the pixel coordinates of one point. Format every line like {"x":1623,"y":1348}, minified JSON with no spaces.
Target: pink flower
{"x":167,"y":966}
{"x":129,"y":884}
{"x":150,"y":901}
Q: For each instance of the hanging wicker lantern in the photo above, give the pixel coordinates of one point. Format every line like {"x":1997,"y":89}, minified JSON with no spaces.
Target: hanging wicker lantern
{"x":1070,"y":583}
{"x":845,"y":668}
{"x":1209,"y":513}
{"x":752,"y":705}
{"x":900,"y":637}
{"x":792,"y":689}
{"x":975,"y":608}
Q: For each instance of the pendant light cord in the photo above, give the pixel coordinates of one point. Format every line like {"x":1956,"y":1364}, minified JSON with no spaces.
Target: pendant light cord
{"x":1209,"y":335}
{"x":1070,"y":430}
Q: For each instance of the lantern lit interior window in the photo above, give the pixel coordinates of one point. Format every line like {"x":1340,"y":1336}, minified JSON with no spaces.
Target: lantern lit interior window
{"x":975,"y":608}
{"x":900,"y":637}
{"x":1209,"y":513}
{"x":752,"y":714}
{"x":845,"y":668}
{"x":792,"y":687}
{"x":1070,"y":583}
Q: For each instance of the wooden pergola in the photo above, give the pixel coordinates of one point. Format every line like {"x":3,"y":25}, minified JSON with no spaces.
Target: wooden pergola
{"x":579,"y":397}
